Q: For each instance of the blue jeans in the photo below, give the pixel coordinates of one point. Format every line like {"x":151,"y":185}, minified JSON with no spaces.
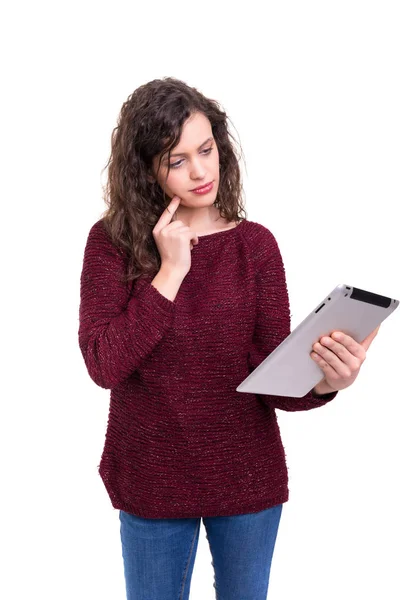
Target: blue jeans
{"x":159,"y":554}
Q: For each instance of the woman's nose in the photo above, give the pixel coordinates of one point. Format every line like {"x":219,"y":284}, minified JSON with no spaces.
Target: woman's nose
{"x":197,"y":170}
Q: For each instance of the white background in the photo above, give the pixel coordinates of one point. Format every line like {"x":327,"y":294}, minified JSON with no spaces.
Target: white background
{"x":313,"y":91}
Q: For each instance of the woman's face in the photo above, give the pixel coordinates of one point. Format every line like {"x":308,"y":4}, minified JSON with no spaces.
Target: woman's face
{"x":193,"y":163}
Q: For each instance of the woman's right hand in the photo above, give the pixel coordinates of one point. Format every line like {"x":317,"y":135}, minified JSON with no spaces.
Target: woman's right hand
{"x":174,"y":240}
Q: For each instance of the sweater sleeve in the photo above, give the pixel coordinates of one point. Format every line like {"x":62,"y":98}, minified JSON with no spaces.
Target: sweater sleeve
{"x":117,"y":328}
{"x":273,"y":324}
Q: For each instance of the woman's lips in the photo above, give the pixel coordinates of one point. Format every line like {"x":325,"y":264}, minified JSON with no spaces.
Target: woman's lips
{"x":205,"y":189}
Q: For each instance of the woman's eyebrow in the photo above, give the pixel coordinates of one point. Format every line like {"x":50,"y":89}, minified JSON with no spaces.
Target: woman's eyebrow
{"x":184,"y":153}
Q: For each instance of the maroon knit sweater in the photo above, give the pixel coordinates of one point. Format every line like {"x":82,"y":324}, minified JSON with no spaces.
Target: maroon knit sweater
{"x":180,"y":440}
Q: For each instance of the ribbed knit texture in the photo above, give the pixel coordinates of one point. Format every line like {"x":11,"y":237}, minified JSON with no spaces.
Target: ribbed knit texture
{"x":181,"y":441}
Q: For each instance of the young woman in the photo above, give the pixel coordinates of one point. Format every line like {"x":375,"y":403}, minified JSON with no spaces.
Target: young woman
{"x":181,"y":298}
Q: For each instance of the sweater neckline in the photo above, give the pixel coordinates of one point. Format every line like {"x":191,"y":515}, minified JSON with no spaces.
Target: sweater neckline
{"x":220,"y":233}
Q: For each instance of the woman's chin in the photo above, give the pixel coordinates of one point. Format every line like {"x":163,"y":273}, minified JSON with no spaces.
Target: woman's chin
{"x":191,"y":200}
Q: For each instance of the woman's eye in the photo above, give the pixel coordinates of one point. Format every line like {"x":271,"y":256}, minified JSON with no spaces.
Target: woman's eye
{"x":178,"y":164}
{"x":175,"y":165}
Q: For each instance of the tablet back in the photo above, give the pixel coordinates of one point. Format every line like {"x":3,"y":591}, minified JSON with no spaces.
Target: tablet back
{"x":289,"y":370}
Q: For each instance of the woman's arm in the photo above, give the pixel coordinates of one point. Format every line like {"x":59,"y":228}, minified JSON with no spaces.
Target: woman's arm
{"x":116,"y":331}
{"x":273,"y":326}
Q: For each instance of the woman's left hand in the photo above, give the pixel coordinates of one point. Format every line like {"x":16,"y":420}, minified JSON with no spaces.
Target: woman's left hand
{"x":340,"y":357}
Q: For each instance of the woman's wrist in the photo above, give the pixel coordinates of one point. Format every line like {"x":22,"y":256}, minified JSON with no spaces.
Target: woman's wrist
{"x":322,"y":388}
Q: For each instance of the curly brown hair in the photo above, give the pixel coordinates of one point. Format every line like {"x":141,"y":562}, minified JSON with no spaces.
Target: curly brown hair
{"x":150,"y":122}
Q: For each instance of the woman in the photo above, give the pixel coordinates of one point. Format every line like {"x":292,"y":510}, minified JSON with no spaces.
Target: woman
{"x":181,"y":298}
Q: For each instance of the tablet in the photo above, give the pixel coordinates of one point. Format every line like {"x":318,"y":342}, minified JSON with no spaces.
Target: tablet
{"x":289,"y":370}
